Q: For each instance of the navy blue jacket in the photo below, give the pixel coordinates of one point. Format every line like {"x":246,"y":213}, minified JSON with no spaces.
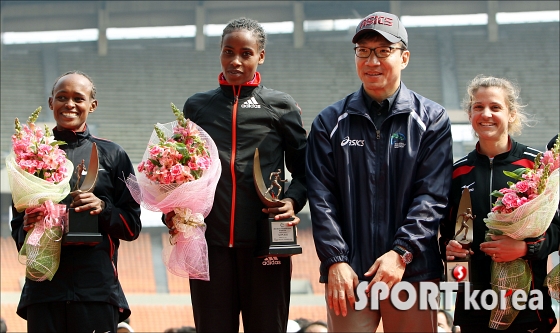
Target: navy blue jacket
{"x":372,"y":189}
{"x":89,"y":273}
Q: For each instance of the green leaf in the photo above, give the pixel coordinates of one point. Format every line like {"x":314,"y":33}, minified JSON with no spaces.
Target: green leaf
{"x":60,"y":143}
{"x":155,"y":162}
{"x":497,"y":194}
{"x":516,"y":174}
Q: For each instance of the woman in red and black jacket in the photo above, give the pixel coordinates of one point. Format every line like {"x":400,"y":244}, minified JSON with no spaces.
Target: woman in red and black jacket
{"x":242,"y":115}
{"x":495,"y":112}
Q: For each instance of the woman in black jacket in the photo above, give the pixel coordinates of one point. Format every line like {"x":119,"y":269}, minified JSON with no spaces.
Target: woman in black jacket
{"x":85,"y":294}
{"x":495,"y":112}
{"x":242,"y":115}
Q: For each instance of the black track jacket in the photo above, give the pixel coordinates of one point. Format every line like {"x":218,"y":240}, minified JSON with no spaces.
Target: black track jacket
{"x":89,"y":273}
{"x":240,"y":119}
{"x":483,"y":176}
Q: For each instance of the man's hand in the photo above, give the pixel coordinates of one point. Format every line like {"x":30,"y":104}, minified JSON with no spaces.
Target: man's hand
{"x":389,"y":268}
{"x":342,"y":283}
{"x":84,"y":201}
{"x":283,"y":212}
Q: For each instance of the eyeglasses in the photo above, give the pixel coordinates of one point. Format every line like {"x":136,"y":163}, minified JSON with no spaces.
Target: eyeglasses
{"x":380,"y":52}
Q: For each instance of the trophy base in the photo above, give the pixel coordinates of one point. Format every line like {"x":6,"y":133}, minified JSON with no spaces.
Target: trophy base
{"x":277,"y":239}
{"x":81,"y":238}
{"x":81,"y":229}
{"x":279,"y":251}
{"x":459,"y":270}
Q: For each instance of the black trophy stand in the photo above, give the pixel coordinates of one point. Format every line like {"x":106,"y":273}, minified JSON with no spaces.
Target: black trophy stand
{"x":82,"y":228}
{"x":274,"y":237}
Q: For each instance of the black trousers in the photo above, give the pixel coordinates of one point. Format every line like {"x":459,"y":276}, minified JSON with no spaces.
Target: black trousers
{"x":72,"y":317}
{"x":258,"y":288}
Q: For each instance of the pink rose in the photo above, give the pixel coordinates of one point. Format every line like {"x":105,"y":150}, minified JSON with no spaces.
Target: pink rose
{"x":522,"y":186}
{"x":509,"y":200}
{"x":176,"y":170}
{"x":155,"y":150}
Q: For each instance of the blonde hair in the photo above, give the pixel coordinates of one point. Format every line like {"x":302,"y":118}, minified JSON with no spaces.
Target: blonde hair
{"x":511,"y":94}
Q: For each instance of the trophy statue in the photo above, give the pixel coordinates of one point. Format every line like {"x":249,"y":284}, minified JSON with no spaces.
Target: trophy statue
{"x":82,"y":227}
{"x":459,"y":269}
{"x":274,"y":238}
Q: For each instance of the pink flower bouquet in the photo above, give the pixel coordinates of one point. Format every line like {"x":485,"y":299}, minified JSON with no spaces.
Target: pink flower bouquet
{"x":39,"y":175}
{"x":179,"y":172}
{"x":524,"y":209}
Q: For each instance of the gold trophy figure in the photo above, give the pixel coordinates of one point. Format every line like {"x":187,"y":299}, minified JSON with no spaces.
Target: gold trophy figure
{"x":82,"y":228}
{"x":274,"y":237}
{"x":458,"y":270}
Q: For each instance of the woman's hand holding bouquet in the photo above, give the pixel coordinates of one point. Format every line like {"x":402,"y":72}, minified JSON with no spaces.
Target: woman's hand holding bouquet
{"x":178,"y":175}
{"x":523,"y":210}
{"x":39,"y":174}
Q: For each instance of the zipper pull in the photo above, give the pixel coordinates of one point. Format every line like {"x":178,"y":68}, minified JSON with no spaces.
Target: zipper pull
{"x":378,"y":134}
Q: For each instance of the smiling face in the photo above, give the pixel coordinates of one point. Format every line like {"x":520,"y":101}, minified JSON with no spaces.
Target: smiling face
{"x":381,"y":77}
{"x":490,"y":115}
{"x":240,"y":56}
{"x":72,"y":102}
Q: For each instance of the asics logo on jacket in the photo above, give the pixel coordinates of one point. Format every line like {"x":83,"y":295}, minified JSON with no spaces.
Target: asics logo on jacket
{"x":350,"y":142}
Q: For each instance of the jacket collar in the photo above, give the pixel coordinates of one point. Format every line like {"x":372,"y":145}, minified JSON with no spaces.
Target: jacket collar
{"x":71,"y":138}
{"x":401,"y":104}
{"x":246,"y":88}
{"x":512,"y":147}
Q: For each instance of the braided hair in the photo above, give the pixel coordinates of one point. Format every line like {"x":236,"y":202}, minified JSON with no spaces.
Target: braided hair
{"x":248,"y":24}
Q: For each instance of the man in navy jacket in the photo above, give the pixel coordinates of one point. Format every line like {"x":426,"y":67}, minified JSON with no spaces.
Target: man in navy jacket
{"x":379,"y":166}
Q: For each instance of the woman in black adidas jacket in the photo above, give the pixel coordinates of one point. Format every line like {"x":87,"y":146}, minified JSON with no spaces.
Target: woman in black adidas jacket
{"x":494,"y":113}
{"x":242,"y":115}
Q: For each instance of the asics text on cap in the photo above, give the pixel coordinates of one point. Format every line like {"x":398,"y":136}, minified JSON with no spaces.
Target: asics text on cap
{"x":386,"y":24}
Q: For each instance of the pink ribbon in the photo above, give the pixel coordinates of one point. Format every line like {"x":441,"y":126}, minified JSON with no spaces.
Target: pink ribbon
{"x":54,"y":216}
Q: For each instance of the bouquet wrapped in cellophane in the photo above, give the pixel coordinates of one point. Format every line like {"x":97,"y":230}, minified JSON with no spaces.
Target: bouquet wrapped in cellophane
{"x":39,"y":175}
{"x":179,"y":172}
{"x":552,"y":281}
{"x":523,"y":210}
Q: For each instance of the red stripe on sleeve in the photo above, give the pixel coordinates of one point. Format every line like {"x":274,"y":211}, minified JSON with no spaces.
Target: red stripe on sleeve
{"x":525,"y":163}
{"x":463,"y":170}
{"x":126,"y":225}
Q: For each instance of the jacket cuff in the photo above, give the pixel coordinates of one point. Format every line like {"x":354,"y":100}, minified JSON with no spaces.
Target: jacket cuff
{"x":534,"y":245}
{"x":107,"y":212}
{"x":299,"y":202}
{"x":405,"y":245}
{"x":325,"y":265}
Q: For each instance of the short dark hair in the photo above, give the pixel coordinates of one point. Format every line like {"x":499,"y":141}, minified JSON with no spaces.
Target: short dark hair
{"x":248,"y":24}
{"x":93,"y":90}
